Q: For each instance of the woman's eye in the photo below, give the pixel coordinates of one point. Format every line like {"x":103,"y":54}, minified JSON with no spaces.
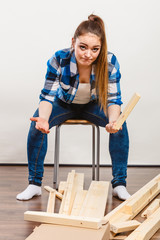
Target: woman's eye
{"x":82,"y":47}
{"x":95,"y":49}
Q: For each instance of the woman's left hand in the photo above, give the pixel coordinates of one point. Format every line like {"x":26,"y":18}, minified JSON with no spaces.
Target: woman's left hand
{"x":110,"y":127}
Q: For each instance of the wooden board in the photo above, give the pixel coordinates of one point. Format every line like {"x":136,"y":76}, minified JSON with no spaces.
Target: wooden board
{"x":50,"y":232}
{"x":151,"y":208}
{"x":78,"y":202}
{"x":133,"y":101}
{"x":124,"y":226}
{"x":95,"y":202}
{"x":68,"y":193}
{"x":135,"y":205}
{"x":51,"y":202}
{"x":61,"y":219}
{"x":147,"y":229}
{"x":62,"y":187}
{"x":114,"y":215}
{"x":75,"y":182}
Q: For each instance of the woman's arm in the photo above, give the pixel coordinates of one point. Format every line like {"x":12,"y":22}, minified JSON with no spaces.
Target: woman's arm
{"x":45,"y":109}
{"x":113,"y":114}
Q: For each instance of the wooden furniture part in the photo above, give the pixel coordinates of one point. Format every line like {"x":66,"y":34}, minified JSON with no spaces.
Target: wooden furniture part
{"x":86,"y":207}
{"x":68,"y":193}
{"x":51,"y":202}
{"x":77,"y":205}
{"x":128,"y":208}
{"x":124,"y":226}
{"x":95,"y":147}
{"x":75,"y":182}
{"x":127,"y":110}
{"x":62,"y":187}
{"x":151,"y":208}
{"x":135,"y":205}
{"x":62,"y":219}
{"x":95,"y":202}
{"x":49,"y":189}
{"x":73,"y":196}
{"x":56,"y":232}
{"x":148,"y":228}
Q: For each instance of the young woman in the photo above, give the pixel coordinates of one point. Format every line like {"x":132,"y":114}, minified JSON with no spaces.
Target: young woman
{"x":81,"y":82}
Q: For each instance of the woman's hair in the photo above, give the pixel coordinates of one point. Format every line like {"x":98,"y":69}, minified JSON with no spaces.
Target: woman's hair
{"x":95,"y":25}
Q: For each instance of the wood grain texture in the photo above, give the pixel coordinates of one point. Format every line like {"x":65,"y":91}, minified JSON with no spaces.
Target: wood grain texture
{"x":95,"y":202}
{"x":62,"y":219}
{"x":148,"y":228}
{"x":51,"y":202}
{"x":13,"y":179}
{"x":127,"y":110}
{"x":75,"y":182}
{"x":124,"y":226}
{"x":72,"y":233}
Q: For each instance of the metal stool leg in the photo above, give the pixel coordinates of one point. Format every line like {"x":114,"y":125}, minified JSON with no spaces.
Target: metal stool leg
{"x":93,"y":152}
{"x":56,"y":156}
{"x":98,"y":152}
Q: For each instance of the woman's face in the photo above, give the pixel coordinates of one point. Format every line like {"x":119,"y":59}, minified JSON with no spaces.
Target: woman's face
{"x":87,"y":48}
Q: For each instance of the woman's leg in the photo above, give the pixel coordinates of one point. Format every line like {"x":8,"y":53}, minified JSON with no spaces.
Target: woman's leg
{"x":118,"y":143}
{"x":37,"y":141}
{"x":37,"y":148}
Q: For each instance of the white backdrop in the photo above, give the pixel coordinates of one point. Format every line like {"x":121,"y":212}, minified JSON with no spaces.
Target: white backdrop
{"x":31,"y":31}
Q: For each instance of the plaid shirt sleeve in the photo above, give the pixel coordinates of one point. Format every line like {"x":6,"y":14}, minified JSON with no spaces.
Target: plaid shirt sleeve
{"x":52,"y":77}
{"x":114,"y":91}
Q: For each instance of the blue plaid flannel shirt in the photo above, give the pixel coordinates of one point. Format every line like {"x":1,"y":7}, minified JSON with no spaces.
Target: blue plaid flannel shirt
{"x":62,"y":78}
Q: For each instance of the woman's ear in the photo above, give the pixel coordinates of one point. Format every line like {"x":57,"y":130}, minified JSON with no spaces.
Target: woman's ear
{"x":73,"y":43}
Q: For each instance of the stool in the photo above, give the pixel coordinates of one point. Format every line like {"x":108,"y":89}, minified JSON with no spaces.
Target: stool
{"x":57,"y":143}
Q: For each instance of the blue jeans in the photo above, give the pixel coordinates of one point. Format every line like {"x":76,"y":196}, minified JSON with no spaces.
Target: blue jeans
{"x":37,"y":141}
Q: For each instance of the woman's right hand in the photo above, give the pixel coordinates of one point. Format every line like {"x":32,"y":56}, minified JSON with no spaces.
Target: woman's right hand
{"x":41,"y":124}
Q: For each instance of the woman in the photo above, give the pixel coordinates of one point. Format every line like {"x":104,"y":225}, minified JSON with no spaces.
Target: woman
{"x":81,"y":82}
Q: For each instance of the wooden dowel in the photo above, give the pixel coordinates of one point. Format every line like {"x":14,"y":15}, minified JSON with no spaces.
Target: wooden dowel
{"x":49,"y":189}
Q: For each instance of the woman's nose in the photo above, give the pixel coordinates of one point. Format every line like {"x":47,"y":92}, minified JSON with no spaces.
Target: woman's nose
{"x":88,"y":53}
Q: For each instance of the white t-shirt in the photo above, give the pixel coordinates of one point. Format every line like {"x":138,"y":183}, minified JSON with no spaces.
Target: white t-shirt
{"x":83,"y":94}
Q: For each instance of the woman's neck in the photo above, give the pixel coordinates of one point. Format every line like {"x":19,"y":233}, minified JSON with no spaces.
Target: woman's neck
{"x":85,"y":69}
{"x":84,"y":74}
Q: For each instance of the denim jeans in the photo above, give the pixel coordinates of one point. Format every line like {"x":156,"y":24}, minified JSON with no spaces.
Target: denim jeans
{"x":37,"y":141}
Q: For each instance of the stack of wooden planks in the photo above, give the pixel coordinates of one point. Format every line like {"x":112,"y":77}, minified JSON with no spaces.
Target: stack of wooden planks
{"x":120,"y":218}
{"x":80,"y":211}
{"x":81,"y":214}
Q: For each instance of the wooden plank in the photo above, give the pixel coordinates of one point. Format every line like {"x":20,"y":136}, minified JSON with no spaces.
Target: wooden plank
{"x":49,"y":189}
{"x":62,"y":187}
{"x":61,"y":219}
{"x":95,"y":202}
{"x":50,"y":232}
{"x":127,"y":110}
{"x":79,"y":199}
{"x":75,"y":182}
{"x":124,"y":226}
{"x":68,"y":194}
{"x":144,"y":197}
{"x":51,"y":202}
{"x":115,"y":213}
{"x":148,"y":228}
{"x":151,"y":208}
